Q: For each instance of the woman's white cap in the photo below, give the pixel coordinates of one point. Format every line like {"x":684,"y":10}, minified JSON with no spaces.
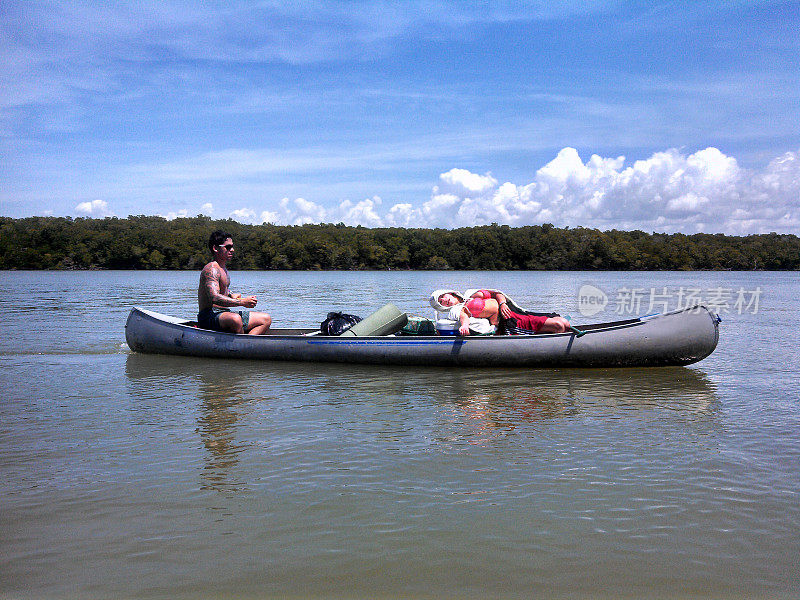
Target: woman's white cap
{"x":438,"y":293}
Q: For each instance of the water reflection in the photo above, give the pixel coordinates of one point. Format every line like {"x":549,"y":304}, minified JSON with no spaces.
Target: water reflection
{"x":408,"y":410}
{"x":554,"y":391}
{"x":221,"y":400}
{"x":517,"y":395}
{"x":503,"y":402}
{"x":216,"y":425}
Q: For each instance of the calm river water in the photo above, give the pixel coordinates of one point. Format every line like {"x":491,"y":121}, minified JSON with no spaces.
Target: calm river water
{"x":136,"y":476}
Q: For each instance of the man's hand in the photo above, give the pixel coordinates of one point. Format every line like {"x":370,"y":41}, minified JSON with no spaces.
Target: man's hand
{"x":249,"y":302}
{"x":463,"y":329}
{"x":505,"y":311}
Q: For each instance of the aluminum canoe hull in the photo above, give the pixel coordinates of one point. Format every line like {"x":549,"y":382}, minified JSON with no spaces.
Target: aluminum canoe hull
{"x":676,"y":338}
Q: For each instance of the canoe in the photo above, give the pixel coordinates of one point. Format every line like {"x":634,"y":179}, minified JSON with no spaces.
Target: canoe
{"x":679,"y":337}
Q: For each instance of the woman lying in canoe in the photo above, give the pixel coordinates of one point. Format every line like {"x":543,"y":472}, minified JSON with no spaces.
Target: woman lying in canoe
{"x":493,"y":305}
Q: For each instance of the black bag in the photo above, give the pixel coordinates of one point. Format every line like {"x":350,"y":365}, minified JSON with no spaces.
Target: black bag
{"x":336,"y":323}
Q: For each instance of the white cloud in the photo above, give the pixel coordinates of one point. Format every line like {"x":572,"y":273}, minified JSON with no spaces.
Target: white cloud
{"x":207,"y":209}
{"x":686,"y":204}
{"x":461,"y":180}
{"x":670,"y":191}
{"x":172,"y":215}
{"x":269,"y":217}
{"x":95,"y":208}
{"x":400,"y":215}
{"x":287,"y":212}
{"x":361,"y":213}
{"x":301,"y":211}
{"x":244,"y":215}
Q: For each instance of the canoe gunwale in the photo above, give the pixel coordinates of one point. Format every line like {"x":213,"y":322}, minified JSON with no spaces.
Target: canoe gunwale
{"x":303,"y":332}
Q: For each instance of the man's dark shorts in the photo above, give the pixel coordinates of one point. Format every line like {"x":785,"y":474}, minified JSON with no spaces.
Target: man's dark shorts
{"x":209,"y":318}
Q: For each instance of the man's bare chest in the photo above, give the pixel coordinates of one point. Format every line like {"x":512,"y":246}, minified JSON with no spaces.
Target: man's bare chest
{"x":224,"y":281}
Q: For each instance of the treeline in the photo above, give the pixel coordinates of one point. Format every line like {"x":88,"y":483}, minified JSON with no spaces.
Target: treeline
{"x":144,"y":242}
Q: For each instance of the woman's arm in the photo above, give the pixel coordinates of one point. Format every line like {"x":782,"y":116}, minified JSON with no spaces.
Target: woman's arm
{"x":503,"y":302}
{"x":463,"y":322}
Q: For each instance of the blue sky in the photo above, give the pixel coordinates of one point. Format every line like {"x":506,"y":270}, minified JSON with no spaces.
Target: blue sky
{"x":662,"y":116}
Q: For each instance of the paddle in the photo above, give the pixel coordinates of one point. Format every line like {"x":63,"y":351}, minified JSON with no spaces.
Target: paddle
{"x":577,"y":332}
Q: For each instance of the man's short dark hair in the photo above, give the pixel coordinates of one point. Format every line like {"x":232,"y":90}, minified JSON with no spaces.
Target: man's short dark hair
{"x":217,"y":238}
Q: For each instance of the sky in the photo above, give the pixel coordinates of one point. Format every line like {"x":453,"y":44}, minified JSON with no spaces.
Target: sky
{"x":660,"y":116}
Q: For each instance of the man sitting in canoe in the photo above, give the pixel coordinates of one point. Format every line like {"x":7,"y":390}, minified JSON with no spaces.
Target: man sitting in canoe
{"x":493,"y":305}
{"x":214,"y":297}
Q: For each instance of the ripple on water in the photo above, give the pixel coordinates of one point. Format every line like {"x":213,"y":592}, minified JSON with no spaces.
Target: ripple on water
{"x":344,"y":480}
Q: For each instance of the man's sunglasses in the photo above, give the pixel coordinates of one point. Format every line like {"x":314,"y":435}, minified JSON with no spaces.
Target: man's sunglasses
{"x":227,"y":246}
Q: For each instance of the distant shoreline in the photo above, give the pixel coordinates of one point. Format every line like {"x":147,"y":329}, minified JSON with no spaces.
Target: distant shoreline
{"x":234,"y":269}
{"x":155,"y":244}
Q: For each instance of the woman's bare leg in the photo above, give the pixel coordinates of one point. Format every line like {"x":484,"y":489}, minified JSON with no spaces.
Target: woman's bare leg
{"x":554,"y":325}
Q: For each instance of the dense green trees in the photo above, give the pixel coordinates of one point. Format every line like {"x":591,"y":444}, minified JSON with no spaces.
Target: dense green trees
{"x":141,"y":242}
